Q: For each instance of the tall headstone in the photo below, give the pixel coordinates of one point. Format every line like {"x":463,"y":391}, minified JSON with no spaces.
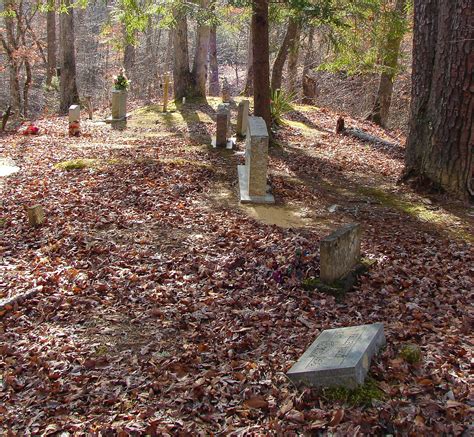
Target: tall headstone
{"x":242,"y":118}
{"x":340,"y":253}
{"x":225,"y":91}
{"x":253,"y":175}
{"x":222,"y":138}
{"x":339,"y":357}
{"x":119,"y":109}
{"x":74,"y":120}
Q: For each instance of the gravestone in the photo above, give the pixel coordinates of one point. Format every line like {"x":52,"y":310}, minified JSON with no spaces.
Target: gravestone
{"x":253,"y":175}
{"x":35,"y":215}
{"x":74,"y":120}
{"x":119,"y":109}
{"x":222,"y":138}
{"x":339,"y":253}
{"x":225,"y":91}
{"x":242,"y":118}
{"x":339,"y":357}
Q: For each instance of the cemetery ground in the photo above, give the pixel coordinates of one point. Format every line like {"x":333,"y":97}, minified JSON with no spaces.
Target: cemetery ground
{"x":164,"y":307}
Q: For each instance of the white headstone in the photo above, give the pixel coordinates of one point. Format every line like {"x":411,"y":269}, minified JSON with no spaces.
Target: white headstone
{"x":74,"y":113}
{"x":253,"y":175}
{"x":242,"y":117}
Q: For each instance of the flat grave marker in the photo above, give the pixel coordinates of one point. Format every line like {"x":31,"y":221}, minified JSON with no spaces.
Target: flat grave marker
{"x":339,"y":357}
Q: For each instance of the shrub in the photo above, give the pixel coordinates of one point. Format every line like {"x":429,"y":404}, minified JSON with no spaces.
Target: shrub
{"x":279,"y":105}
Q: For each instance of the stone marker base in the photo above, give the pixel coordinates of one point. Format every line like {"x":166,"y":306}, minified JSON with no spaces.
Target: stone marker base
{"x":339,"y":357}
{"x":339,"y":288}
{"x":229,"y":146}
{"x":245,"y":197}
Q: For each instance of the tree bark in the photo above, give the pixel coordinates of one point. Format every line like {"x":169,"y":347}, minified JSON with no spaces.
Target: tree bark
{"x":128,"y":59}
{"x":52,"y":47}
{"x":11,"y":46}
{"x":261,"y":60}
{"x":292,"y":68}
{"x":308,"y":83}
{"x":441,"y":132}
{"x":391,"y":51}
{"x":248,"y":89}
{"x":181,"y":74}
{"x":214,"y":86}
{"x":278,"y":65}
{"x":68,"y":89}
{"x":199,"y":71}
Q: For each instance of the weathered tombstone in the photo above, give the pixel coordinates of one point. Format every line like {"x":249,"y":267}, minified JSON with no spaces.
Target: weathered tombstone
{"x":74,"y":120}
{"x":119,"y":109}
{"x":225,"y":91}
{"x":253,"y":175}
{"x":222,"y":138}
{"x":339,"y":253}
{"x":35,"y":215}
{"x":339,"y":357}
{"x":242,"y":118}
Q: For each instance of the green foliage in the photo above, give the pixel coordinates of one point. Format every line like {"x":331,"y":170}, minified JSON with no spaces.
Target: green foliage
{"x":75,"y":164}
{"x":362,"y":36}
{"x":280,"y":104}
{"x":361,"y":396}
{"x":121,"y":81}
{"x":54,"y":86}
{"x":411,"y":353}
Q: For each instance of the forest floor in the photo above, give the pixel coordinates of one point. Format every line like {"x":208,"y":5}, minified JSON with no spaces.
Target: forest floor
{"x":165,"y":307}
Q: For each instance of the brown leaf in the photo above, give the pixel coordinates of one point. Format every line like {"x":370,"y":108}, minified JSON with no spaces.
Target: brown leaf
{"x":257,"y":402}
{"x":336,"y":417}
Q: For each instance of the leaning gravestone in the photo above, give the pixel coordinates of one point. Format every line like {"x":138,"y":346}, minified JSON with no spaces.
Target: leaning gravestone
{"x":225,"y":91}
{"x":339,"y":357}
{"x":253,"y":175}
{"x":340,"y":253}
{"x":222,"y":138}
{"x":74,"y":120}
{"x":242,"y":118}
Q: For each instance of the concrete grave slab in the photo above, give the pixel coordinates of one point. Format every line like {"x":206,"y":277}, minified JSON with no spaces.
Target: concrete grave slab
{"x":339,"y":357}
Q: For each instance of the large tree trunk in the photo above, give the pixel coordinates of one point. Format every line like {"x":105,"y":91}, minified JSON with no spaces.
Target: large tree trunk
{"x":261,"y":60}
{"x":181,"y":74}
{"x":128,"y":59}
{"x":390,"y":54}
{"x":199,"y":72}
{"x":214,"y":87}
{"x":248,"y":89}
{"x":68,"y":92}
{"x":11,"y":46}
{"x":292,"y":68}
{"x":278,"y":65}
{"x":51,"y":39}
{"x":441,"y":133}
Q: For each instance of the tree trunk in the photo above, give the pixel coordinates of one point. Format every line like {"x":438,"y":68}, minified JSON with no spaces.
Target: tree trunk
{"x":391,"y":51}
{"x":292,"y":68}
{"x":68,"y":91}
{"x":214,"y":87}
{"x":51,"y":39}
{"x":261,"y":60}
{"x":308,"y":83}
{"x":199,"y":72}
{"x":128,"y":59}
{"x":441,"y":132}
{"x":288,"y":41}
{"x":181,"y":75}
{"x":11,"y":46}
{"x":248,"y":89}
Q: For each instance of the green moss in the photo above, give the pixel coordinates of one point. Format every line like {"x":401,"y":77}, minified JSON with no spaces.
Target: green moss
{"x":411,"y":353}
{"x":360,"y":396}
{"x":76,"y":164}
{"x":421,"y":212}
{"x":3,"y":222}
